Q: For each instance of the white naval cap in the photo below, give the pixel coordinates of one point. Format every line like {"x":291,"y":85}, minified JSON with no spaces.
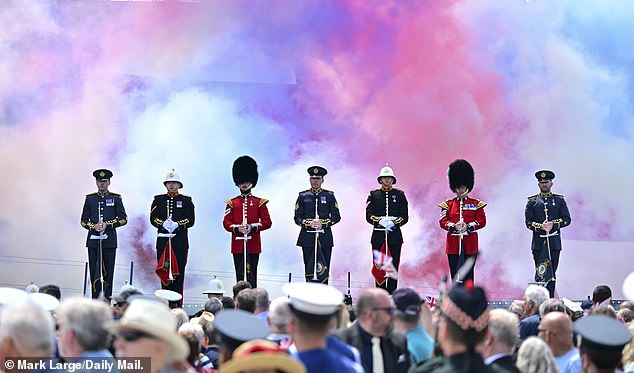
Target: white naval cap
{"x":313,"y":298}
{"x":10,"y":296}
{"x":628,"y":286}
{"x":573,"y":306}
{"x":168,"y":295}
{"x":46,"y":301}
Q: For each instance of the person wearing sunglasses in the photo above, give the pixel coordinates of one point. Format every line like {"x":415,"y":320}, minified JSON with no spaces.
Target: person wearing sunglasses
{"x":381,"y":349}
{"x":148,"y":330}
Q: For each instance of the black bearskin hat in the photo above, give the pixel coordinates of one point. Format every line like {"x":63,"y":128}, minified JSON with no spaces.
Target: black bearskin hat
{"x":245,"y":169}
{"x":460,"y":173}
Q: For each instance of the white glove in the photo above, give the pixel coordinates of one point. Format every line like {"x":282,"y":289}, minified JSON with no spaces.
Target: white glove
{"x":384,"y":221}
{"x":170,"y":225}
{"x":387,"y":223}
{"x":389,"y":226}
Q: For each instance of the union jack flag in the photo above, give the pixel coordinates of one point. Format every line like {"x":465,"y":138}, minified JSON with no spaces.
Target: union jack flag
{"x":431,"y":301}
{"x":383,"y":267}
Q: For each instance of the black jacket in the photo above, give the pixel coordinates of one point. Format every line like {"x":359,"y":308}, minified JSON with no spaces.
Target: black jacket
{"x":394,"y":347}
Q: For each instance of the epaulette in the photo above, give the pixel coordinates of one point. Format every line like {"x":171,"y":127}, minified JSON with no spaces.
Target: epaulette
{"x":229,"y":202}
{"x":184,"y":195}
{"x":558,"y":195}
{"x":263,"y":202}
{"x":534,"y":195}
{"x":159,"y":195}
{"x":327,"y":191}
{"x":444,"y":205}
{"x":304,"y":191}
{"x":115,"y":194}
{"x":481,"y":204}
{"x":90,"y":194}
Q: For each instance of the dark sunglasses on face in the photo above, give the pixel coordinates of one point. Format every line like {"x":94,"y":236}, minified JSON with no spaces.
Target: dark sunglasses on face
{"x":133,"y":335}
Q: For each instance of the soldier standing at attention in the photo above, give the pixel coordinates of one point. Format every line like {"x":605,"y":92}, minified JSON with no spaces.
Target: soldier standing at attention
{"x":316,"y":211}
{"x":386,"y":210}
{"x":461,"y":217}
{"x":546,"y":213}
{"x":172,"y":214}
{"x":103,"y":212}
{"x":245,"y":216}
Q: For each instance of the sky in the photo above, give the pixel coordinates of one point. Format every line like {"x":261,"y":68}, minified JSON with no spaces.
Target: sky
{"x":145,"y":87}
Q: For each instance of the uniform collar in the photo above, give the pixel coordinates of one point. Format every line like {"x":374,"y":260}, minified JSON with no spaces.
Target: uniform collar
{"x":386,"y":189}
{"x":172,"y":194}
{"x":246,"y":195}
{"x":545,"y":195}
{"x":316,"y":191}
{"x":463,"y":198}
{"x":102,"y":194}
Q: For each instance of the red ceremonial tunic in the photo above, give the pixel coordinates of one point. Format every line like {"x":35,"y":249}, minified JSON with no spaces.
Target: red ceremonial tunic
{"x":472,"y":214}
{"x":257,"y":212}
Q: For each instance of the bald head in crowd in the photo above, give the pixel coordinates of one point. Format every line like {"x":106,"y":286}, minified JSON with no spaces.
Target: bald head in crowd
{"x":556,"y":329}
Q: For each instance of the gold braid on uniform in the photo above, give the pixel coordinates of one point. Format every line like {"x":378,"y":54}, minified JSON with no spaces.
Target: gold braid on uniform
{"x":464,"y":321}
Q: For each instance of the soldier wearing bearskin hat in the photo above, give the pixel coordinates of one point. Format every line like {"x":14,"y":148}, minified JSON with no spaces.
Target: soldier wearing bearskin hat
{"x":245,"y":216}
{"x":461,"y":216}
{"x":172,"y":214}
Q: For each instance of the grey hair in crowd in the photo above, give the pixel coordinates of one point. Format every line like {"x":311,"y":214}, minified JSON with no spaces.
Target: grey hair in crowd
{"x":551,"y":305}
{"x":195,"y":330}
{"x":536,"y":294}
{"x":534,"y":356}
{"x":279,"y":314}
{"x":503,"y":325}
{"x":262,"y":300}
{"x":181,"y":317}
{"x":213,"y":305}
{"x":86,"y":318}
{"x":31,"y":328}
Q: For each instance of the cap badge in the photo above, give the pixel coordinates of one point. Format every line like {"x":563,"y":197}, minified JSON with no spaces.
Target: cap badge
{"x":102,"y":174}
{"x":543,"y":175}
{"x":315,"y":171}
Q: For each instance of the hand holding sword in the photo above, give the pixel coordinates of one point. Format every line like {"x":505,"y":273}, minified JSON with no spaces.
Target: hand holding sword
{"x":547,"y":225}
{"x":317,"y":225}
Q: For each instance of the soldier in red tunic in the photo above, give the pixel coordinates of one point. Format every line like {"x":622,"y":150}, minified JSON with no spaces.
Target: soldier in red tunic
{"x":245,"y":216}
{"x":461,"y":217}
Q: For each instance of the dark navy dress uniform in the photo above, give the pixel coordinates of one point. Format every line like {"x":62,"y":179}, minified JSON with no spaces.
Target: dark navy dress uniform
{"x":108,"y":206}
{"x":535,"y":215}
{"x":328,"y":211}
{"x":181,"y":208}
{"x":375,"y":209}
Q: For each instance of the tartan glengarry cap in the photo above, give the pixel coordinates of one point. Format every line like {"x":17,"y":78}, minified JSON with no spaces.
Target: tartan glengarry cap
{"x":467,"y":307}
